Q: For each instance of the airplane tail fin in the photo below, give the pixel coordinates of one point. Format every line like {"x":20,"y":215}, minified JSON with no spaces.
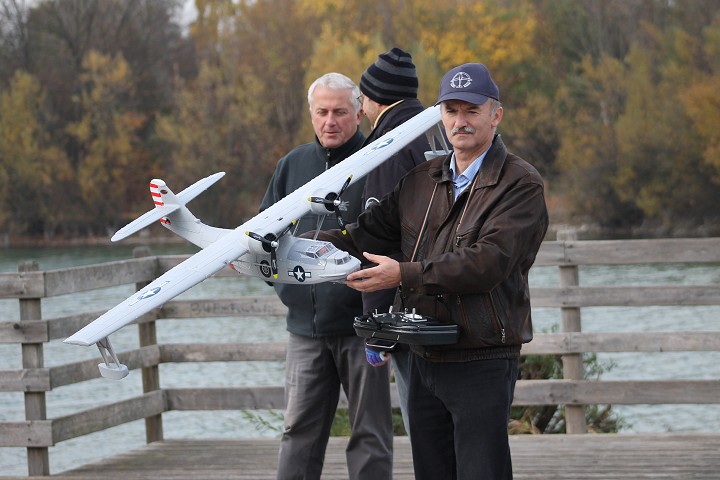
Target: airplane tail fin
{"x":170,"y":210}
{"x":166,"y":202}
{"x":161,"y":193}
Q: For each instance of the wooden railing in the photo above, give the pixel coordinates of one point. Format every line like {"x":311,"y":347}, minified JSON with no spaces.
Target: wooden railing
{"x":30,"y":285}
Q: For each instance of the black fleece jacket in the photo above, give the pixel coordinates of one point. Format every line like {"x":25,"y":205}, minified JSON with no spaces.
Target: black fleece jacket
{"x":325,"y":309}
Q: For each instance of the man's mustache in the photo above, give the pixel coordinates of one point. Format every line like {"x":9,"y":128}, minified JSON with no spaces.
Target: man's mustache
{"x":455,"y":131}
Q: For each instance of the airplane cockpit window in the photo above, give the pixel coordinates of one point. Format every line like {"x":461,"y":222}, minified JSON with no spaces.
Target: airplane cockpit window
{"x":342,"y":260}
{"x":318,"y":251}
{"x":310,"y":251}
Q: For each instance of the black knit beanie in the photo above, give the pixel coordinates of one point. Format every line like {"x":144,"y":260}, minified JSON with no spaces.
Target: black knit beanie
{"x":391,"y":78}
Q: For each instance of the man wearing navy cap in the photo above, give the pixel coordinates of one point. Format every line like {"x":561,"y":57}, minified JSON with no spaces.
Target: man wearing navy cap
{"x":469,"y":226}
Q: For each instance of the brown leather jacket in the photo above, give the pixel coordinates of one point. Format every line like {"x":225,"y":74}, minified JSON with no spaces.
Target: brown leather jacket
{"x":470,"y":265}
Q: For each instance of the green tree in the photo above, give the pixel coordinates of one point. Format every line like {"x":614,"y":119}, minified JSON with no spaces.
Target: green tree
{"x":702,"y":104}
{"x":364,"y":22}
{"x":589,"y":155}
{"x":213,"y":18}
{"x":663,"y":171}
{"x":107,"y":137}
{"x":702,"y":99}
{"x":34,"y":173}
{"x":246,"y":105}
{"x":215,"y":128}
{"x":63,"y":32}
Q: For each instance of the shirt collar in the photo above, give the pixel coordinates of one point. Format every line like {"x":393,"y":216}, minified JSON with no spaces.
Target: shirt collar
{"x":460,"y":182}
{"x":469,"y":172}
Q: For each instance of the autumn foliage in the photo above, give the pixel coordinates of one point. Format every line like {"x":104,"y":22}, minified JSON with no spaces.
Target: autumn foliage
{"x":617,"y":102}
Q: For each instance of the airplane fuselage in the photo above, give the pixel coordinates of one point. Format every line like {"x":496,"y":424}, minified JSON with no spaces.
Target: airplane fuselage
{"x":299,"y":261}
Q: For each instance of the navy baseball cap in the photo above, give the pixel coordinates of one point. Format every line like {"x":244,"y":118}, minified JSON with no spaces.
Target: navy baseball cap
{"x":470,"y":82}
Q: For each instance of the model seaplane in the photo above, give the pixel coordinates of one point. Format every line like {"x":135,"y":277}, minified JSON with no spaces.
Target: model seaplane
{"x":263,"y":246}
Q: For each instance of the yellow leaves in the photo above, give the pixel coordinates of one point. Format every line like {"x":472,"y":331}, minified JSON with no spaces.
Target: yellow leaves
{"x":80,"y":130}
{"x":487,"y":32}
{"x":588,"y":109}
{"x":30,"y":166}
{"x":104,"y":71}
{"x":702,"y":103}
{"x":702,"y":99}
{"x":322,"y":7}
{"x":213,"y":122}
{"x":106,"y":132}
{"x":334,"y":53}
{"x":105,"y":79}
{"x":17,"y":116}
{"x":24,"y":141}
{"x":211,"y":22}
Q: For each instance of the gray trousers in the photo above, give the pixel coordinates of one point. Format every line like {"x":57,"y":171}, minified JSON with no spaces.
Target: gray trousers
{"x":316,"y":368}
{"x":401,"y":367}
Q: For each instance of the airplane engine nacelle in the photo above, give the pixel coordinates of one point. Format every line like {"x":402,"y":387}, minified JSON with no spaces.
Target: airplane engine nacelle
{"x":260,"y":248}
{"x":322,"y":208}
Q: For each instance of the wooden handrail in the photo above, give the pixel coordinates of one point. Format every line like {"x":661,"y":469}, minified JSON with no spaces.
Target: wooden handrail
{"x":34,"y":379}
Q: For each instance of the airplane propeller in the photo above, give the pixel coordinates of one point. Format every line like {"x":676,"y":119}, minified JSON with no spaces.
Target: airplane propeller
{"x":332,"y":202}
{"x":270,"y":244}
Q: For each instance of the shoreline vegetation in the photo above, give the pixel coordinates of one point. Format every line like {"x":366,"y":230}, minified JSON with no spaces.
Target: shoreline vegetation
{"x":561,"y":220}
{"x":157,"y":236}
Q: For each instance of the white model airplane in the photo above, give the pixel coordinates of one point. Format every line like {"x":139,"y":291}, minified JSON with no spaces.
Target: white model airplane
{"x":263,"y":246}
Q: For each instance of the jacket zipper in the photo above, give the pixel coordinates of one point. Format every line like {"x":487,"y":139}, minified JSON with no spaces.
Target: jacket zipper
{"x":498,"y":320}
{"x":497,"y":317}
{"x":314,"y":310}
{"x":312,"y":287}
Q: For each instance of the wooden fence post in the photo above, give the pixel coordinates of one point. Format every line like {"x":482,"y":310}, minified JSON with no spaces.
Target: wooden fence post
{"x":33,"y":357}
{"x":147,"y":334}
{"x":572,"y":363}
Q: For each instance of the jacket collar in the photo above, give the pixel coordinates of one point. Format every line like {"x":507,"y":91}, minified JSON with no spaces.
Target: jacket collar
{"x":335,"y":155}
{"x":490,"y":169}
{"x":382,"y":114}
{"x":399,"y":112}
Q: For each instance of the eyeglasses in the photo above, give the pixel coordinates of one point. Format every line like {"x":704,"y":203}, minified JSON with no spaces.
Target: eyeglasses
{"x":360,"y":98}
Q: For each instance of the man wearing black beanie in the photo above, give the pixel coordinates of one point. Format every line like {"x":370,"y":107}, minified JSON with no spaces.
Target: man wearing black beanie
{"x":389,"y":88}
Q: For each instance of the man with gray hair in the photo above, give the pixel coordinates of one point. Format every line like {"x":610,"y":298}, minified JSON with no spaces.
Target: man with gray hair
{"x":323,"y":351}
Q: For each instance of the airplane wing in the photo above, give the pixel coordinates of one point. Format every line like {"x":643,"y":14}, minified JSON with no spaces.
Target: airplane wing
{"x":171,"y":284}
{"x":273,"y":220}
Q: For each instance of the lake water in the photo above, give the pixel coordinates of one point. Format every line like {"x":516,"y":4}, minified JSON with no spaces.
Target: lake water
{"x":237,"y":424}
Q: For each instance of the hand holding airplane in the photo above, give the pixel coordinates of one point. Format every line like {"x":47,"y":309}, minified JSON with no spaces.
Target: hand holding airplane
{"x":263,"y":246}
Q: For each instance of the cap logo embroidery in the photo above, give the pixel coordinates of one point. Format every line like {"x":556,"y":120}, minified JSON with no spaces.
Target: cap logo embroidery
{"x":460,"y":80}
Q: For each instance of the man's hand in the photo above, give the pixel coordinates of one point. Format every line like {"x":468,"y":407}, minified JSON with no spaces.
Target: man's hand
{"x":386,"y":274}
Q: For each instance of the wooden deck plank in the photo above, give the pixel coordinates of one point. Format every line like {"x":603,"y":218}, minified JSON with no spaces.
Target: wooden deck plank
{"x":535,"y":457}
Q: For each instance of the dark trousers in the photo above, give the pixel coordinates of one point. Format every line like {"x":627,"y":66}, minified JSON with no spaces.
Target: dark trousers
{"x":459,"y":413}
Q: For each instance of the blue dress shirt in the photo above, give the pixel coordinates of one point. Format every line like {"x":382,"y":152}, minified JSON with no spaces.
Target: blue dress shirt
{"x":460,"y":182}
